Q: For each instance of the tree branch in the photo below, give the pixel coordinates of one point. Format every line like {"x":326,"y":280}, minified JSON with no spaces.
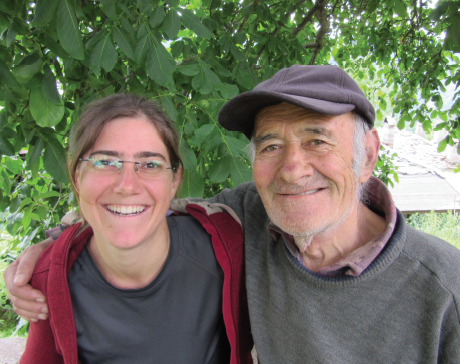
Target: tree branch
{"x":308,"y":17}
{"x":323,"y":30}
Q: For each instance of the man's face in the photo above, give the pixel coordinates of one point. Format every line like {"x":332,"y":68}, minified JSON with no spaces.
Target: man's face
{"x":303,"y":168}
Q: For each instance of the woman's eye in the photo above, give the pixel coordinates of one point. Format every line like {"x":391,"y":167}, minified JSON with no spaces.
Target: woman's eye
{"x":102,"y":163}
{"x":152,"y":165}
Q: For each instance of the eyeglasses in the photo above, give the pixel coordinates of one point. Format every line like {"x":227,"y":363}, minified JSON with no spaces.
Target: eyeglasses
{"x":108,"y":164}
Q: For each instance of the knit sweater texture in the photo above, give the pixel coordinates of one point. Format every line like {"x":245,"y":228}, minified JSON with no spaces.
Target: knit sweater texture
{"x":404,"y":308}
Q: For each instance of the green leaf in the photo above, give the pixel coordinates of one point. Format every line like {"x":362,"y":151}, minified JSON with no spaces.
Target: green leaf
{"x":229,"y":91}
{"x":400,"y":8}
{"x":123,"y":42}
{"x":195,"y":24}
{"x":108,"y":7}
{"x":28,"y":67}
{"x":372,"y":5}
{"x":236,"y":146}
{"x":219,"y":170}
{"x":442,"y":145}
{"x":187,"y":155}
{"x":201,"y":134}
{"x":35,"y":153}
{"x":104,"y":54}
{"x":213,"y":141}
{"x":6,"y":181}
{"x":45,"y":195}
{"x":189,"y":69}
{"x":54,"y":160}
{"x":242,"y":76}
{"x":160,"y":65}
{"x":439,"y":11}
{"x":206,"y":80}
{"x":6,"y":148}
{"x":142,"y":49}
{"x":6,"y":77}
{"x":68,"y":30}
{"x":44,"y":111}
{"x":157,"y":17}
{"x":239,"y":172}
{"x":12,"y":33}
{"x":49,"y":87}
{"x":169,"y":106}
{"x":44,"y":12}
{"x":192,"y":184}
{"x":171,"y":24}
{"x":27,"y":217}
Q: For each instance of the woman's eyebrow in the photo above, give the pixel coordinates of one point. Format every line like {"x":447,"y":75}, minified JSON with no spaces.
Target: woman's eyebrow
{"x":144,"y":154}
{"x":148,"y":154}
{"x":106,"y":152}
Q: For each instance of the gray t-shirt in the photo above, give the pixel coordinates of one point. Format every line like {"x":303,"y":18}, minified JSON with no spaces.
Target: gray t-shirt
{"x":177,"y":318}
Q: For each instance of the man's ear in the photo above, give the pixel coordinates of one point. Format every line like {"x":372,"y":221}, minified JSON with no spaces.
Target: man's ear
{"x":371,"y":155}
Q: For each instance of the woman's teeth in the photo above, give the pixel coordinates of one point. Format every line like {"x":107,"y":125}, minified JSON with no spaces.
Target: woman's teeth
{"x":126,"y":210}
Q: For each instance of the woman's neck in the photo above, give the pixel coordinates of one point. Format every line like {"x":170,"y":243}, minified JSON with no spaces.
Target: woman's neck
{"x":135,"y":267}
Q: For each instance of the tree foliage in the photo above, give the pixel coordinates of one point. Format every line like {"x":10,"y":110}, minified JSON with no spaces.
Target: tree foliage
{"x":192,"y":56}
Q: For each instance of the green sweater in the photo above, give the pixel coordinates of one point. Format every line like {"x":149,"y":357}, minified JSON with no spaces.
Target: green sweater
{"x":404,"y":308}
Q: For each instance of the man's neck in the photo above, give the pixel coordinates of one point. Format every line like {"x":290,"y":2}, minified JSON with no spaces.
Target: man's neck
{"x":337,"y":242}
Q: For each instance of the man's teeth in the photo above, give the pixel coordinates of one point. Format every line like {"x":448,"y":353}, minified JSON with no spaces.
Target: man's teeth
{"x":312,"y":191}
{"x":126,"y":210}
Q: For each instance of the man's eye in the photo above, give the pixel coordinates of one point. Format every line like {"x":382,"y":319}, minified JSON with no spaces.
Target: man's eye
{"x":316,"y":142}
{"x":271,"y":148}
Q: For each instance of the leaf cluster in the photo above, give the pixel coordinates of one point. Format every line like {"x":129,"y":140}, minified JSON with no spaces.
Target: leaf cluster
{"x":191,"y":56}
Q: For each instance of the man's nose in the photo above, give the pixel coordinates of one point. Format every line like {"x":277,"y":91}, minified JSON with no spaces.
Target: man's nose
{"x":295,"y":164}
{"x":127,"y":182}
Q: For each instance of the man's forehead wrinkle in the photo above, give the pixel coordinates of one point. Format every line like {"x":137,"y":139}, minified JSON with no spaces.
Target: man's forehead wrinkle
{"x":283,"y":112}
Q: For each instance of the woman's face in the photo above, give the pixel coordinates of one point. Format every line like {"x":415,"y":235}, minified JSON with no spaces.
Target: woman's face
{"x":126,"y":208}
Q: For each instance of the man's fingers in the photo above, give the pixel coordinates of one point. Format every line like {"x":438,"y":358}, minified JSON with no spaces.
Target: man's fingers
{"x":27,"y":302}
{"x":27,"y":261}
{"x":31,"y":315}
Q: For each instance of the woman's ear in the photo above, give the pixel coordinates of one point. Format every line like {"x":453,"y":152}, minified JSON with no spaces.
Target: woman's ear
{"x":177,"y":181}
{"x":371,"y":155}
{"x":76,"y":178}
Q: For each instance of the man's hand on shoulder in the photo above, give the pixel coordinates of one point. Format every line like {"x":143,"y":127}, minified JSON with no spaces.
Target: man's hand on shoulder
{"x":27,"y":302}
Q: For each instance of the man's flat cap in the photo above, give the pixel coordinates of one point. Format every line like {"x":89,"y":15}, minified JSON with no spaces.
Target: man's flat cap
{"x":324,"y":89}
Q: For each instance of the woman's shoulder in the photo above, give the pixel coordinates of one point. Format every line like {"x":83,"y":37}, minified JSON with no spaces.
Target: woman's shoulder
{"x":68,"y":245}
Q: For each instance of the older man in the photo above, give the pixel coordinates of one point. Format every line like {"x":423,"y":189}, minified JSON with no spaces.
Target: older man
{"x":334,"y":275}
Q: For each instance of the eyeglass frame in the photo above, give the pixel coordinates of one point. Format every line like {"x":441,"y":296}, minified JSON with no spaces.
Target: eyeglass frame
{"x":136,"y":164}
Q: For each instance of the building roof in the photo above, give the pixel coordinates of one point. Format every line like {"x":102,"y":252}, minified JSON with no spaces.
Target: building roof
{"x":426,"y":178}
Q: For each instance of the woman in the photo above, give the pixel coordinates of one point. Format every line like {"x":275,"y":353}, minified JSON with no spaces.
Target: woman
{"x":136,"y":286}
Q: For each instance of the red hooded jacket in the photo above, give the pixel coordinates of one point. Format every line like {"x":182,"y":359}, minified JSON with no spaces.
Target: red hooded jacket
{"x":54,"y":341}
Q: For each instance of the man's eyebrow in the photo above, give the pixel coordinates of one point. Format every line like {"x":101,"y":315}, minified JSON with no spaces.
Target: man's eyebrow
{"x":318,"y":130}
{"x":264,"y":137}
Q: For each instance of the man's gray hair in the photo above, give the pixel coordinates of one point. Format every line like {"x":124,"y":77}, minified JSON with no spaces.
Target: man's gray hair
{"x":359,"y":149}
